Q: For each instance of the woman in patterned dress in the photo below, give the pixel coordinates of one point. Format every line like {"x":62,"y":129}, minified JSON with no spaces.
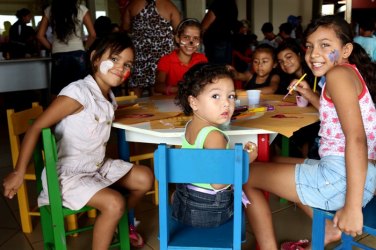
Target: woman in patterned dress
{"x":151,"y":24}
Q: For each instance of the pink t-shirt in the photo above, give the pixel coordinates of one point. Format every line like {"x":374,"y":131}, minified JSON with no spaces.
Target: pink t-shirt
{"x":332,"y":140}
{"x":175,"y":69}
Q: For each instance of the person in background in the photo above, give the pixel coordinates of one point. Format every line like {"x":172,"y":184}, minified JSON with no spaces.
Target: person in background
{"x":269,"y":36}
{"x":83,"y":112}
{"x":102,"y":27}
{"x":115,"y":27}
{"x":5,"y":34}
{"x":290,"y":59}
{"x":366,"y":37}
{"x":172,"y":67}
{"x":69,"y":59}
{"x":21,"y":36}
{"x":219,"y":26}
{"x":343,"y":180}
{"x":264,"y":74}
{"x":151,"y":24}
{"x":284,"y":34}
{"x":207,"y":93}
{"x":242,"y":47}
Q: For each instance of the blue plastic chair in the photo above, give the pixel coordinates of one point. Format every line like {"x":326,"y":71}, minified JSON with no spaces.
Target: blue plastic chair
{"x":347,"y":242}
{"x":227,"y":166}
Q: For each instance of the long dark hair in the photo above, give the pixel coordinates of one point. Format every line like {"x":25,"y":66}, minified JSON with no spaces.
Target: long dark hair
{"x":63,"y":18}
{"x":359,"y":57}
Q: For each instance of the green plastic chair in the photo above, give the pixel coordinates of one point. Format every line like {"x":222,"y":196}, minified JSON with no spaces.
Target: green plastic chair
{"x":52,"y":216}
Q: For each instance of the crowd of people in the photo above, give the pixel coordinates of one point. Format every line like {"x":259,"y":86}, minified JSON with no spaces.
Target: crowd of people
{"x":339,"y":83}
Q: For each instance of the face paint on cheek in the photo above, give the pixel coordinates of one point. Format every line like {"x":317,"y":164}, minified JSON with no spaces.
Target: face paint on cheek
{"x":334,"y":56}
{"x":126,"y":75}
{"x":182,"y":43}
{"x":106,"y":66}
{"x":190,"y":43}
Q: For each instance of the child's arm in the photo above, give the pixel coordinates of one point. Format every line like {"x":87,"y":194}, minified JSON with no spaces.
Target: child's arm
{"x":245,"y":76}
{"x":161,"y":85}
{"x":60,"y":108}
{"x":273,"y":86}
{"x":344,"y":87}
{"x":216,"y":139}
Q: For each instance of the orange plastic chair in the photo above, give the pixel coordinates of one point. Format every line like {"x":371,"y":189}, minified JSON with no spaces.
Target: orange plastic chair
{"x":18,"y":123}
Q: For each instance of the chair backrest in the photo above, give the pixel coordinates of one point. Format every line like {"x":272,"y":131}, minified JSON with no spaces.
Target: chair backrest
{"x":348,"y":242}
{"x":18,"y":123}
{"x":223,"y":166}
{"x":50,"y":157}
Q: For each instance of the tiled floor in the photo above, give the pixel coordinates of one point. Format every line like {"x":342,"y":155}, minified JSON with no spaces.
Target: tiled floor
{"x":290,"y":222}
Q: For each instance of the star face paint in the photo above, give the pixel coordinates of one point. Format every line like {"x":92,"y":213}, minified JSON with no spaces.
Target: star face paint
{"x":334,"y":56}
{"x":106,"y":66}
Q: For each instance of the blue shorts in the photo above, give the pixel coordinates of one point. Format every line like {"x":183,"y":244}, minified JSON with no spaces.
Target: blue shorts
{"x":322,"y":183}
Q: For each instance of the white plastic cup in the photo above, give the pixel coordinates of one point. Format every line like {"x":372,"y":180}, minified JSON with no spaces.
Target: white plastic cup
{"x":301,"y":101}
{"x":253,"y":97}
{"x":43,"y":53}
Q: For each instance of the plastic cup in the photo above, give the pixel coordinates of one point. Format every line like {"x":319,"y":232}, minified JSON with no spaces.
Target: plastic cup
{"x":301,"y":101}
{"x":253,"y":97}
{"x":43,"y":53}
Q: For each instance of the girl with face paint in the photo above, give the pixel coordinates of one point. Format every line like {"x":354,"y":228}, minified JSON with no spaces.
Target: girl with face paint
{"x":172,"y":67}
{"x":83,"y":112}
{"x":343,"y":180}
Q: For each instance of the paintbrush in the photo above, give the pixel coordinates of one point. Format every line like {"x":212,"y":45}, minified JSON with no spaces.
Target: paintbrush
{"x":293,"y":87}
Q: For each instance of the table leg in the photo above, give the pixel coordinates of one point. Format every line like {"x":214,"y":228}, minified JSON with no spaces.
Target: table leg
{"x":263,"y":147}
{"x":124,"y":154}
{"x":285,"y":146}
{"x":123,"y":145}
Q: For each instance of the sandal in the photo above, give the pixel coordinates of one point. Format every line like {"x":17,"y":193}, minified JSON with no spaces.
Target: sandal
{"x":295,"y":245}
{"x":135,"y":238}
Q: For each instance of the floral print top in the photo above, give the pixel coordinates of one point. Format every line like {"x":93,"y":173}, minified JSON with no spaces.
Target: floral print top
{"x":332,"y":140}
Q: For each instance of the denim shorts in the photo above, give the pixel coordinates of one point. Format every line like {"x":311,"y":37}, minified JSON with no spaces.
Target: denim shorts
{"x":322,"y":183}
{"x":199,"y":209}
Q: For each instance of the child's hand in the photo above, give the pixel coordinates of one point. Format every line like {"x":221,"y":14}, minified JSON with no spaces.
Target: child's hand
{"x":252,"y":150}
{"x":349,"y":221}
{"x":302,"y":88}
{"x":12,"y":183}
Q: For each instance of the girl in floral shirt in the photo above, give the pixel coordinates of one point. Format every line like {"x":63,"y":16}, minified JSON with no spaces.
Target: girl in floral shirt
{"x":344,"y":179}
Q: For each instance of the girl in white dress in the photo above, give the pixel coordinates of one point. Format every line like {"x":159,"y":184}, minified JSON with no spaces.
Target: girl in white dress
{"x":83,"y":113}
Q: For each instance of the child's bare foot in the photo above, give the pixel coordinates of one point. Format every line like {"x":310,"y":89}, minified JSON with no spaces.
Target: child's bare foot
{"x":332,"y":233}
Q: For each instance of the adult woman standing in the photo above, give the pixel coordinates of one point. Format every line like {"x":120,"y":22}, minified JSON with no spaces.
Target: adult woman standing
{"x":151,"y":24}
{"x":68,"y":51}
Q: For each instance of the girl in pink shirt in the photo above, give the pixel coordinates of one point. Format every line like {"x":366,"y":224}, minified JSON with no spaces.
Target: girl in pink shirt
{"x":344,"y":179}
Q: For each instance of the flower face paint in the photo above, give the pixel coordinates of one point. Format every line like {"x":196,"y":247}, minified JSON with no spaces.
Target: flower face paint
{"x":106,"y":66}
{"x":334,"y":56}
